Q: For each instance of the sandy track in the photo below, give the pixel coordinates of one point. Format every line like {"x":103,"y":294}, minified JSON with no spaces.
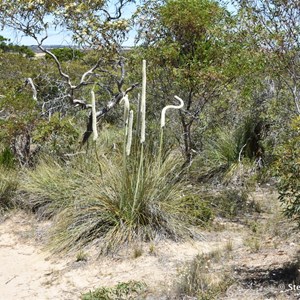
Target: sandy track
{"x":29,"y":272}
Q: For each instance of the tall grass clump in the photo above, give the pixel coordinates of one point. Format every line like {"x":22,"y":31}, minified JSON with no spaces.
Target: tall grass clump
{"x":136,"y":196}
{"x":113,"y":210}
{"x":48,"y":188}
{"x":232,"y":153}
{"x":115,"y":197}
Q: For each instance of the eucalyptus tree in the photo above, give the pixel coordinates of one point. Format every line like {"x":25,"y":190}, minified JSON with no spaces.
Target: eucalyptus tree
{"x":273,"y":26}
{"x":95,"y":25}
{"x":194,"y":51}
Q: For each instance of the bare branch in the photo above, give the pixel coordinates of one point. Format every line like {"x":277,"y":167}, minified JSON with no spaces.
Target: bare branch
{"x":109,"y":106}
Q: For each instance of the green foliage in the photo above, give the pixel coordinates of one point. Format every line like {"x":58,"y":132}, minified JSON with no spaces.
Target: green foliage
{"x":66,"y":54}
{"x":122,"y":291}
{"x":24,"y":50}
{"x":288,"y":171}
{"x":8,"y":187}
{"x":56,"y":136}
{"x":7,"y":158}
{"x":195,"y":51}
{"x":230,"y":151}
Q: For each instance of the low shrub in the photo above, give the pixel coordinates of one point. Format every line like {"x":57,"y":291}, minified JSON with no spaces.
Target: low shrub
{"x":122,"y":291}
{"x":288,"y":171}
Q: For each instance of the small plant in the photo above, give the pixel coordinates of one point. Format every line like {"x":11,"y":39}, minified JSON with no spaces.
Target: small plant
{"x":122,"y":291}
{"x":137,"y":251}
{"x":229,"y":246}
{"x":152,"y":249}
{"x":7,"y":159}
{"x":200,"y":280}
{"x":81,"y":256}
{"x":253,"y":243}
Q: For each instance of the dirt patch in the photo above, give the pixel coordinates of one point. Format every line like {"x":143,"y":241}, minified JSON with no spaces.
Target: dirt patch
{"x":267,"y":270}
{"x":30,"y":272}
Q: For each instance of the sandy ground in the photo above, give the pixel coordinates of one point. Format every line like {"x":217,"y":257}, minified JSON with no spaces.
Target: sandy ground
{"x":30,"y":272}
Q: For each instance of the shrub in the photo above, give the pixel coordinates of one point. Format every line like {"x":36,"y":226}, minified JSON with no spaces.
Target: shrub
{"x":66,"y":54}
{"x":231,"y":203}
{"x":56,"y":136}
{"x":288,"y":171}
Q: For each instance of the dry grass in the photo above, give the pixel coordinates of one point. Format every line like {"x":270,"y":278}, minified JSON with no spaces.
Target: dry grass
{"x":94,"y":199}
{"x":201,"y":279}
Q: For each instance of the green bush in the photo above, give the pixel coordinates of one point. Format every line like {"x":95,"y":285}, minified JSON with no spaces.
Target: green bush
{"x":7,"y":158}
{"x":288,"y":171}
{"x":56,"y":136}
{"x":66,"y":54}
{"x":24,"y":50}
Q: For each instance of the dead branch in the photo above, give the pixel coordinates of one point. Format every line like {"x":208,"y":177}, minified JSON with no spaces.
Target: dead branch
{"x":110,"y":105}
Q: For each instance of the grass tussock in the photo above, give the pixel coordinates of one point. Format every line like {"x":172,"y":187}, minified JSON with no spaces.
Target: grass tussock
{"x":48,"y":187}
{"x":201,"y":279}
{"x":114,"y":209}
{"x":94,"y":199}
{"x":231,"y":155}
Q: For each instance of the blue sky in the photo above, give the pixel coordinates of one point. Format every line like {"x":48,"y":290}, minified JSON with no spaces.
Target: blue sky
{"x":63,"y":37}
{"x":58,"y":36}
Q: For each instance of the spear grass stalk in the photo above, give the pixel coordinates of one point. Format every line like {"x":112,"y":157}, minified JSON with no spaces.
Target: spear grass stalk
{"x":143,"y":130}
{"x":143,"y":104}
{"x":94,"y":118}
{"x":126,"y":114}
{"x":163,"y":123}
{"x":129,"y":137}
{"x":94,"y":127}
{"x":126,"y":111}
